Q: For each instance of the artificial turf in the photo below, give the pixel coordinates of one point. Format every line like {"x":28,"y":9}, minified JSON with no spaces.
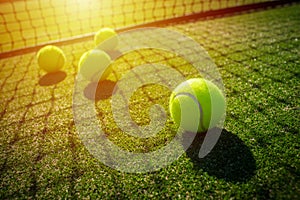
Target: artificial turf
{"x":256,"y":157}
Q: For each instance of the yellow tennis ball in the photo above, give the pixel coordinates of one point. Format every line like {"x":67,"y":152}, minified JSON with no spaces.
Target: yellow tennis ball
{"x":51,"y":58}
{"x":94,"y":65}
{"x":197,"y":105}
{"x":106,"y":39}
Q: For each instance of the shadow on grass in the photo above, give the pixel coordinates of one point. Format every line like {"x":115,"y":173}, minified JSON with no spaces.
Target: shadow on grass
{"x":230,"y":159}
{"x":99,"y":91}
{"x":52,"y":78}
{"x":114,"y":54}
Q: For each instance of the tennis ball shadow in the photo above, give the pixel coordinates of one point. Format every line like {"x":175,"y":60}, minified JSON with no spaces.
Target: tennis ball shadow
{"x":230,"y":159}
{"x":99,"y":90}
{"x":52,"y":78}
{"x":114,"y":54}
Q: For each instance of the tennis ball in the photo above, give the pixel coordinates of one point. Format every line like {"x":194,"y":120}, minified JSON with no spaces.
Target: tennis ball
{"x":197,"y":105}
{"x":94,"y":65}
{"x":106,"y":39}
{"x":51,"y":58}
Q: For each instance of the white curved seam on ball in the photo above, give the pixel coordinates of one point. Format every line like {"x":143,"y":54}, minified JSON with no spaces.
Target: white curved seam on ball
{"x":198,"y":104}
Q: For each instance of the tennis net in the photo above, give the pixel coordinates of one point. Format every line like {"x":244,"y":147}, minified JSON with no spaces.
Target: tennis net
{"x":35,"y":22}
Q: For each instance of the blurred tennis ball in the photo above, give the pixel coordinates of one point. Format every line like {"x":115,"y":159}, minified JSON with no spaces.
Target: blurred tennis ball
{"x":51,"y":58}
{"x":197,"y":105}
{"x":94,"y":65}
{"x":106,"y":39}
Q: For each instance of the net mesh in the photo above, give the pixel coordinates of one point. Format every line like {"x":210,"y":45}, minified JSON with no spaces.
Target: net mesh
{"x":29,"y":23}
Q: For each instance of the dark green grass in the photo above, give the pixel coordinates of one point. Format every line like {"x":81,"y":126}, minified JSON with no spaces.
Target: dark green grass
{"x":257,"y":156}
